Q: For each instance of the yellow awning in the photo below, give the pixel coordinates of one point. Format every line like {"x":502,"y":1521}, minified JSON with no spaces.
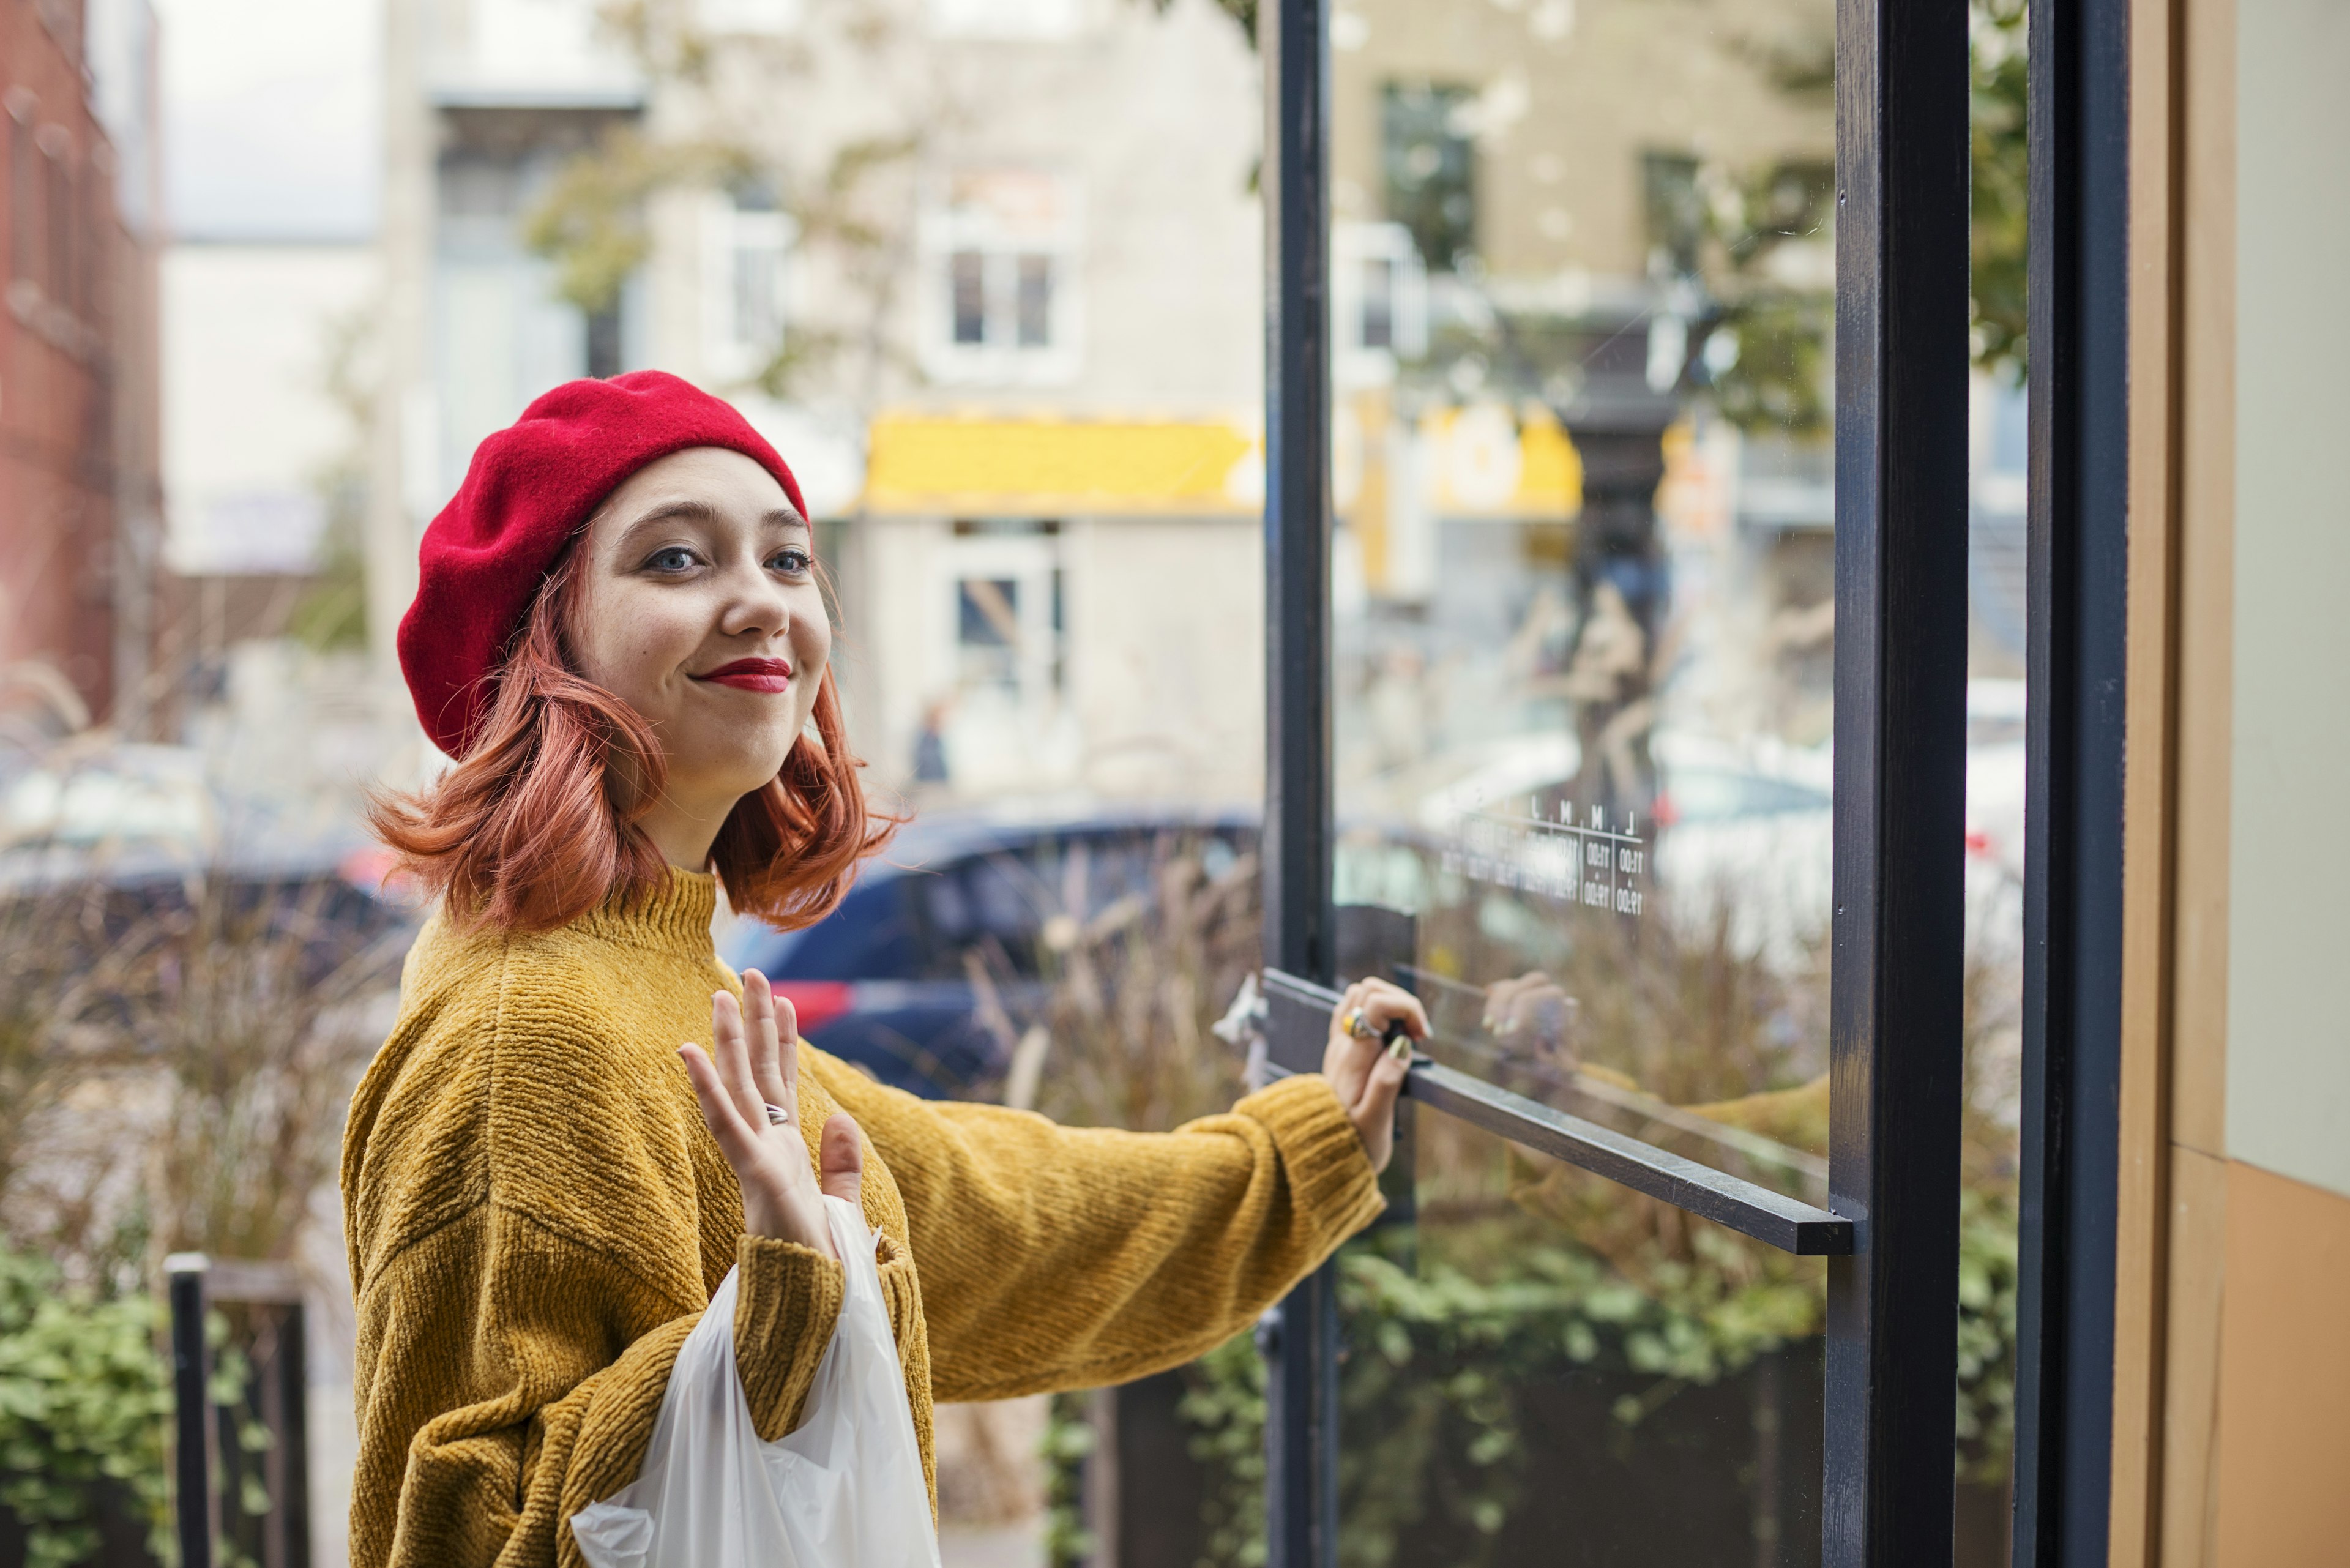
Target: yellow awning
{"x":999,"y":465}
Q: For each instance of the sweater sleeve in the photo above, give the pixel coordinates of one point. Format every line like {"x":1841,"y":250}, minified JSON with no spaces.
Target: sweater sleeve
{"x":1057,"y":1257}
{"x":515,"y":1376}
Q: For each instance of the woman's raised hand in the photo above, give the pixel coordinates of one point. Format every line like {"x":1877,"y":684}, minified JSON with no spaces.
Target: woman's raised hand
{"x":757,"y":1065}
{"x":1366,"y":1073}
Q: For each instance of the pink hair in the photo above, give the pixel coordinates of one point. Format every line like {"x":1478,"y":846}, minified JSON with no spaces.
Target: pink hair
{"x":536,"y":825}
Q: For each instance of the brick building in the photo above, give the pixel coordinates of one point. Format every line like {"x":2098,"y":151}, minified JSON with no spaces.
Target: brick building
{"x":78,"y":383}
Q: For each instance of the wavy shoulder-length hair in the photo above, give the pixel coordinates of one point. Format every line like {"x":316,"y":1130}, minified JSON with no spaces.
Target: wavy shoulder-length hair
{"x":537,"y":824}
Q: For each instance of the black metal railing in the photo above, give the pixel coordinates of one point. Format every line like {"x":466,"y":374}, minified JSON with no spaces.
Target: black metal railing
{"x":241,"y":1469}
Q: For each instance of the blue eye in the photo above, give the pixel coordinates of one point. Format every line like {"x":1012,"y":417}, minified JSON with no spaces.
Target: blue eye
{"x":676,"y":558}
{"x":793,"y":563}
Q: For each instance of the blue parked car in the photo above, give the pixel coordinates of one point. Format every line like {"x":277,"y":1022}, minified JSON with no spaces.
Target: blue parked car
{"x":934,"y":960}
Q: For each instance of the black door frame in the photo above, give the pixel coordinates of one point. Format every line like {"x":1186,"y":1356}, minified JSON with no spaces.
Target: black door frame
{"x":1900,"y":671}
{"x":1898,"y":930}
{"x":1301,"y":1343}
{"x":2078,"y":338}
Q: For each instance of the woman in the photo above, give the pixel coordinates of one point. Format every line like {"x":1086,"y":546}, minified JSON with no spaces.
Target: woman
{"x":618,"y":632}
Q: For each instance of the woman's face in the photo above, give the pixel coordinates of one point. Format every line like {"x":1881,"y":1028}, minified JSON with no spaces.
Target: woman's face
{"x":701,"y":610}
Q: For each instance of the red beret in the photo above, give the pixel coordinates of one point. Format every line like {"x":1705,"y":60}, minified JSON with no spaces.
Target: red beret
{"x":530,"y":488}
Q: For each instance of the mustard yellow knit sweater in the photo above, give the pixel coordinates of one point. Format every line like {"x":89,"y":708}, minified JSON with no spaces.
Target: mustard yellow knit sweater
{"x":537,"y":1217}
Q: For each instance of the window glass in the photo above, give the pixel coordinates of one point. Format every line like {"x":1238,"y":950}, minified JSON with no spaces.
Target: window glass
{"x":1429,"y":164}
{"x":988,"y":629}
{"x":985,"y":906}
{"x":1584,"y":621}
{"x":1034,"y":306}
{"x":1584,"y":585}
{"x":1584,"y":561}
{"x":1544,"y":1369}
{"x":748,"y":242}
{"x":1018,"y":907}
{"x":967,"y":276}
{"x":1000,"y":246}
{"x":1378,"y":303}
{"x":24,"y":192}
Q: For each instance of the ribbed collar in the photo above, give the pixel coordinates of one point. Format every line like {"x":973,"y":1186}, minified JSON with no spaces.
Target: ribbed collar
{"x":673,"y":918}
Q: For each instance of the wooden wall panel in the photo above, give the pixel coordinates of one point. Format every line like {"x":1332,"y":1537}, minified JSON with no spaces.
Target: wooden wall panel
{"x":2207,"y":480}
{"x":2195,"y":1293}
{"x":2148,"y":826}
{"x":2285,"y":1404}
{"x":2171,"y":1274}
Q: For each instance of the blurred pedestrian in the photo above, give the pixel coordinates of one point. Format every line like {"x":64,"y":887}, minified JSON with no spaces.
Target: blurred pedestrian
{"x":618,"y":635}
{"x":930,"y":745}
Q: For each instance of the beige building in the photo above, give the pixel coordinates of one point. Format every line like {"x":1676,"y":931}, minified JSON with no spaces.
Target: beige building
{"x":964,"y":242}
{"x":1038,"y":384}
{"x":1582,"y":114}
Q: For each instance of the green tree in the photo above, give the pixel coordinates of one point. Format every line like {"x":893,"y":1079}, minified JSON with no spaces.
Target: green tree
{"x":848,"y":197}
{"x":1996,"y":35}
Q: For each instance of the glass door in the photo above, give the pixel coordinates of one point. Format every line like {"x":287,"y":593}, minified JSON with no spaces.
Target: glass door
{"x":1616,"y":545}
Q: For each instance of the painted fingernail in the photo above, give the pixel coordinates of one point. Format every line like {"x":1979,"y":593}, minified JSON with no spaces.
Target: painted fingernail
{"x":1401,"y":1048}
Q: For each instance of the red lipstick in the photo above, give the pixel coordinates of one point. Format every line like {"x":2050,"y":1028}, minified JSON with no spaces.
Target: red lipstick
{"x":769,"y":675}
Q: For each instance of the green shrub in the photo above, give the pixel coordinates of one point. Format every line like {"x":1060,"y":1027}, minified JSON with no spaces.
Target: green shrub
{"x":85,"y":1400}
{"x":1440,"y":1352}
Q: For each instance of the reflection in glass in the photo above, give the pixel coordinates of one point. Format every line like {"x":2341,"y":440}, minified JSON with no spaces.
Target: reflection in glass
{"x":1548,"y":1369}
{"x":1583,"y":612}
{"x":1584,"y":621}
{"x":1583,"y":580}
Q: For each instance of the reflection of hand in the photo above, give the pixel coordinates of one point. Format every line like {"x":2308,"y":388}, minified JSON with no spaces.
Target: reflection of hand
{"x":1530,"y":1012}
{"x":1364,"y":1072}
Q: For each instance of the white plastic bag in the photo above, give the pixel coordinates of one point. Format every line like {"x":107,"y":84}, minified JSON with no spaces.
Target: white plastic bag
{"x":844,"y":1490}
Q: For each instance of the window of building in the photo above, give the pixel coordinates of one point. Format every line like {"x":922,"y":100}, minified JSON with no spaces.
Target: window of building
{"x":604,"y":344}
{"x":1377,"y":322}
{"x":1033,"y":302}
{"x":24,"y":192}
{"x":57,"y":198}
{"x":1673,"y":211}
{"x":969,"y":282}
{"x":987,"y":631}
{"x":1427,"y":161}
{"x":747,"y":247}
{"x":1008,"y":612}
{"x":1379,"y":302}
{"x":1001,"y":306}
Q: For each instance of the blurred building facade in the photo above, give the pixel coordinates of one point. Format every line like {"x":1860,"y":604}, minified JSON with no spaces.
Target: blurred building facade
{"x":1045,"y":347}
{"x":988,"y":275}
{"x":991,"y":284}
{"x":79,"y":494}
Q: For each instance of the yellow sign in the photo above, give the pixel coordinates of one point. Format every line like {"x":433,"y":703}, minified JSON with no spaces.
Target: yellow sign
{"x":1491,"y":461}
{"x":1009,"y":466}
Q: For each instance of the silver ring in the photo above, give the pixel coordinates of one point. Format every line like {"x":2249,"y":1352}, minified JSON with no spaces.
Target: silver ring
{"x":1358,"y":1025}
{"x":777,"y":1116}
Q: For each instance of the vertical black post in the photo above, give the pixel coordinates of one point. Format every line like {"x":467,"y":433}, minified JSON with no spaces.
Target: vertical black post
{"x":1302,"y":1417}
{"x":1900,"y":761}
{"x":190,"y":1371}
{"x":286,"y":1471}
{"x":2079,"y":301}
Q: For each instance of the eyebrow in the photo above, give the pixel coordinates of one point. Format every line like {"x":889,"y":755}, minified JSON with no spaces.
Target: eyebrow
{"x":687,"y":510}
